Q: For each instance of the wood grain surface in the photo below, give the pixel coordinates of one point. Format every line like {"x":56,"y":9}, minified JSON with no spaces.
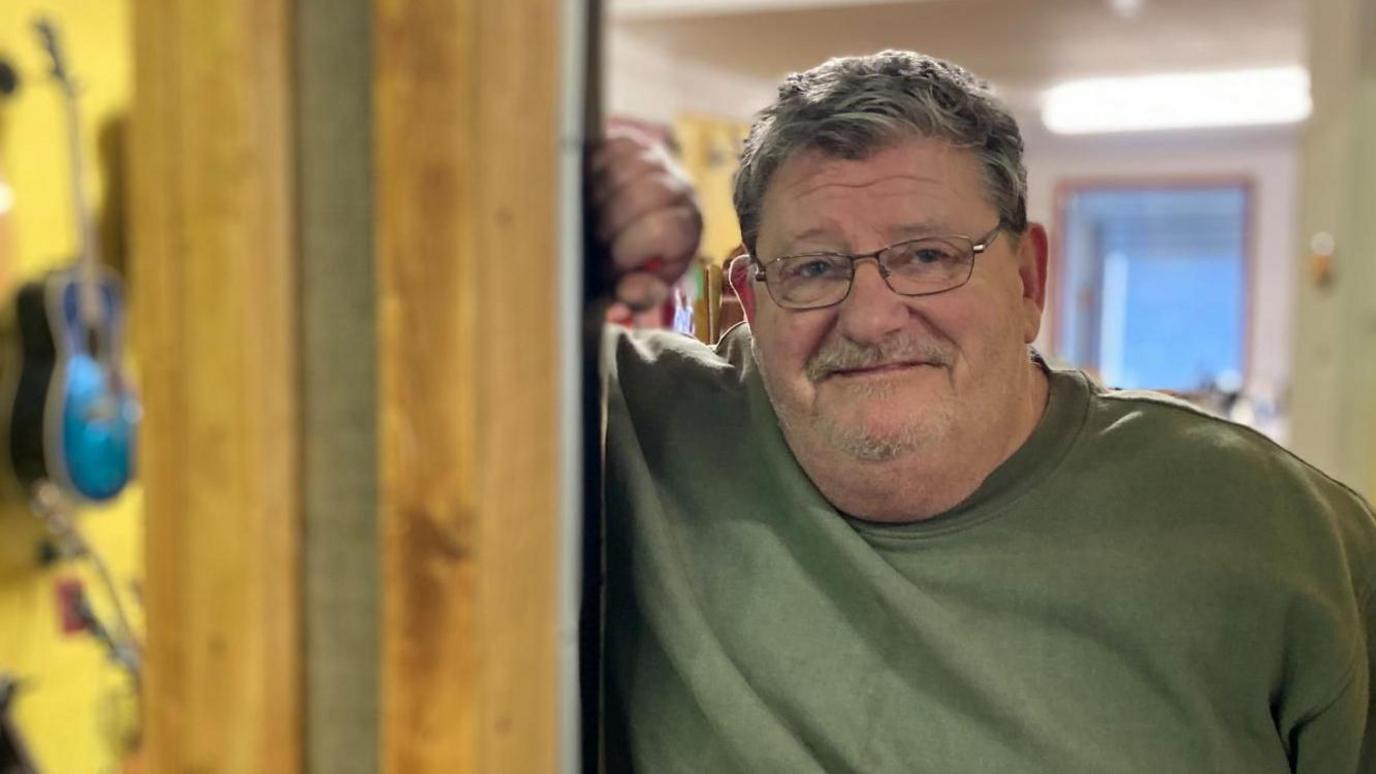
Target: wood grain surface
{"x":466,"y":115}
{"x":214,"y":285}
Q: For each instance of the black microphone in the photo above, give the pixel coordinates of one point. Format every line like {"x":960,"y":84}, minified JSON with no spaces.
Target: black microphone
{"x":9,"y":79}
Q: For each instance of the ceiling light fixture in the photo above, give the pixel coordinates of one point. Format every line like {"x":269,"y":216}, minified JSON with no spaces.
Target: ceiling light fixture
{"x":1128,"y":9}
{"x":1178,"y":101}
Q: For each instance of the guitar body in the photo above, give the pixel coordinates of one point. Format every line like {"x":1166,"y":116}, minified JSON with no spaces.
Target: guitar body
{"x":71,"y":417}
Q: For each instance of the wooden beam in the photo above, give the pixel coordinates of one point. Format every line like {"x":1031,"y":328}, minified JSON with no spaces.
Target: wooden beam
{"x":1333,"y":412}
{"x":466,"y":104}
{"x":214,"y":301}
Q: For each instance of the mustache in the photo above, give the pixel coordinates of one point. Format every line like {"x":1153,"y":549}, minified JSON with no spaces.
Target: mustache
{"x":843,"y":354}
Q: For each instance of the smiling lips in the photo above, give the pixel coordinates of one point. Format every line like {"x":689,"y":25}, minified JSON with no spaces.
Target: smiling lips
{"x":882,"y":369}
{"x":843,"y":357}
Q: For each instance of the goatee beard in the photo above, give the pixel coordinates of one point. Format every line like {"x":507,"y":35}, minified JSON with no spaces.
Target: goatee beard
{"x":855,"y":440}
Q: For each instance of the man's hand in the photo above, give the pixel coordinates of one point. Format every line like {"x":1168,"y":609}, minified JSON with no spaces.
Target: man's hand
{"x":647,"y":214}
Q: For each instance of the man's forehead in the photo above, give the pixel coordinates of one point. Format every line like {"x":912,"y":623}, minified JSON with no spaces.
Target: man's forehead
{"x":914,"y":157}
{"x":913,"y":188}
{"x":833,"y":182}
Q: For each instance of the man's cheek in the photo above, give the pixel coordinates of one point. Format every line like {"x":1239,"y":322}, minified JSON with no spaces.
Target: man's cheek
{"x":798,"y":344}
{"x":796,"y":361}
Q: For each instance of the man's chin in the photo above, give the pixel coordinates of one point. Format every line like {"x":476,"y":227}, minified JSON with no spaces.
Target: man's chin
{"x":876,"y":448}
{"x":870,"y":442}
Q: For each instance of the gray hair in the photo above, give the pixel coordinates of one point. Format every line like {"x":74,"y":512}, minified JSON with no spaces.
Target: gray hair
{"x":854,"y":106}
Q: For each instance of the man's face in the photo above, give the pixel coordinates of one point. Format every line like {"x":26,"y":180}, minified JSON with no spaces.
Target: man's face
{"x":881,"y":375}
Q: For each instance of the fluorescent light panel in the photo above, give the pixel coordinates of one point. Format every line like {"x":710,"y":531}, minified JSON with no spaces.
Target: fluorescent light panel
{"x":1179,"y":101}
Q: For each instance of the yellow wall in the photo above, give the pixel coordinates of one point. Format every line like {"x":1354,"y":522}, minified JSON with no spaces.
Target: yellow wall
{"x":77,"y":705}
{"x":710,"y":148}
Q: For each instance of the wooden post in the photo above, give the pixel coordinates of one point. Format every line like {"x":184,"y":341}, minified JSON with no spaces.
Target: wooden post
{"x":467,"y":107}
{"x":1333,"y":412}
{"x":214,"y":281}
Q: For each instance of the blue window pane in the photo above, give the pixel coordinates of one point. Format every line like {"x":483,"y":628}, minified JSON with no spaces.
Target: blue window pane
{"x":1155,"y":281}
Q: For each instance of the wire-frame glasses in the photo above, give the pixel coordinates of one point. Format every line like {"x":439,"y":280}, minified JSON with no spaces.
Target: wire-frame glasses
{"x":914,"y":267}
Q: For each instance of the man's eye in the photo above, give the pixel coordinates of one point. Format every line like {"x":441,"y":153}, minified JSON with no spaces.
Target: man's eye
{"x":922,"y":254}
{"x":813,"y":267}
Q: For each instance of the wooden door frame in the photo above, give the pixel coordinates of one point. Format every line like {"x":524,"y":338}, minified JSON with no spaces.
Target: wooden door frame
{"x":213,"y":304}
{"x":472,"y":367}
{"x":467,"y":126}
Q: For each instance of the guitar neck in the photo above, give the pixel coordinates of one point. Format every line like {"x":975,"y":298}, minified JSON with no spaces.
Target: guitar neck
{"x":88,"y":245}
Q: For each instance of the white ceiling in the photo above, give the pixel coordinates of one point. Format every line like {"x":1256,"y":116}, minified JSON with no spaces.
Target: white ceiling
{"x":1023,"y":46}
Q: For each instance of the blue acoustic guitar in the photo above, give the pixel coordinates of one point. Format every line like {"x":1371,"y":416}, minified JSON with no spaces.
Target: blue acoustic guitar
{"x":72,"y":415}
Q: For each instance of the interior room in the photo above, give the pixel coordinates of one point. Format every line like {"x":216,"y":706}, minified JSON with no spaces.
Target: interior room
{"x":305,"y":413}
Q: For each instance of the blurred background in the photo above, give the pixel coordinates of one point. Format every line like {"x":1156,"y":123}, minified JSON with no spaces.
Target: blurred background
{"x":1205,"y":170}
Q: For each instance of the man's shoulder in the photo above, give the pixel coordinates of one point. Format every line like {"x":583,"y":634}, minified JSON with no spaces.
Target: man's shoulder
{"x":668,"y":355}
{"x":654,"y":372}
{"x":1146,"y":416}
{"x":1165,"y":433}
{"x":1154,"y":421}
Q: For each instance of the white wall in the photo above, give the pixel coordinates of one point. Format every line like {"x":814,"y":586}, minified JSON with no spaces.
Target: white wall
{"x":644,"y":80}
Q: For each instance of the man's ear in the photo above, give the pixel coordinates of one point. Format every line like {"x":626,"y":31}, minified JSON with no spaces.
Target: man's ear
{"x":1033,"y":252}
{"x":740,"y":274}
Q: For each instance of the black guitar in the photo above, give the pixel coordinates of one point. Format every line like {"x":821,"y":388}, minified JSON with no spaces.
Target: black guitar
{"x":14,"y":757}
{"x":69,"y":414}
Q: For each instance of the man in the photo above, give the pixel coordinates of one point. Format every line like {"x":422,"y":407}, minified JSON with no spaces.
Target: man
{"x":871,"y":531}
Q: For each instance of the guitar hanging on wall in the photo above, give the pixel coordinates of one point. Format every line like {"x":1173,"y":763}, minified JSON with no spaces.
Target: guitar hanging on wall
{"x":71,"y":414}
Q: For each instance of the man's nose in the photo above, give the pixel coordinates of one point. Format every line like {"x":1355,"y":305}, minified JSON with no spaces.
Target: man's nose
{"x":872,"y":311}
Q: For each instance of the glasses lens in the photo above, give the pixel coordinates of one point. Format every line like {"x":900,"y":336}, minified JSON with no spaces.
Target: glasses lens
{"x":809,"y":280}
{"x":929,"y":265}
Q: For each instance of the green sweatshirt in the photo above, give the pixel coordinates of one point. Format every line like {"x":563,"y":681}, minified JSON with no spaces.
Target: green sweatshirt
{"x":1140,"y":588}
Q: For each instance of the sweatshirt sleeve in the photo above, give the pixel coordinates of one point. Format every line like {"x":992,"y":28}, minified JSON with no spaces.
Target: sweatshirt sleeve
{"x":1340,"y":737}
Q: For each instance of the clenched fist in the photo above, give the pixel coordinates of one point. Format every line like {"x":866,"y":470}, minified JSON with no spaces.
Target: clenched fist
{"x":647,"y":215}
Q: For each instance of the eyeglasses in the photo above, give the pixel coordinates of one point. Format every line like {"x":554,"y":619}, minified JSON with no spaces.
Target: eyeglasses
{"x":916,"y":267}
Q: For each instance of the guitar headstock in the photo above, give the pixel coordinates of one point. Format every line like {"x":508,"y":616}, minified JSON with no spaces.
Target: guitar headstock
{"x":47,"y":32}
